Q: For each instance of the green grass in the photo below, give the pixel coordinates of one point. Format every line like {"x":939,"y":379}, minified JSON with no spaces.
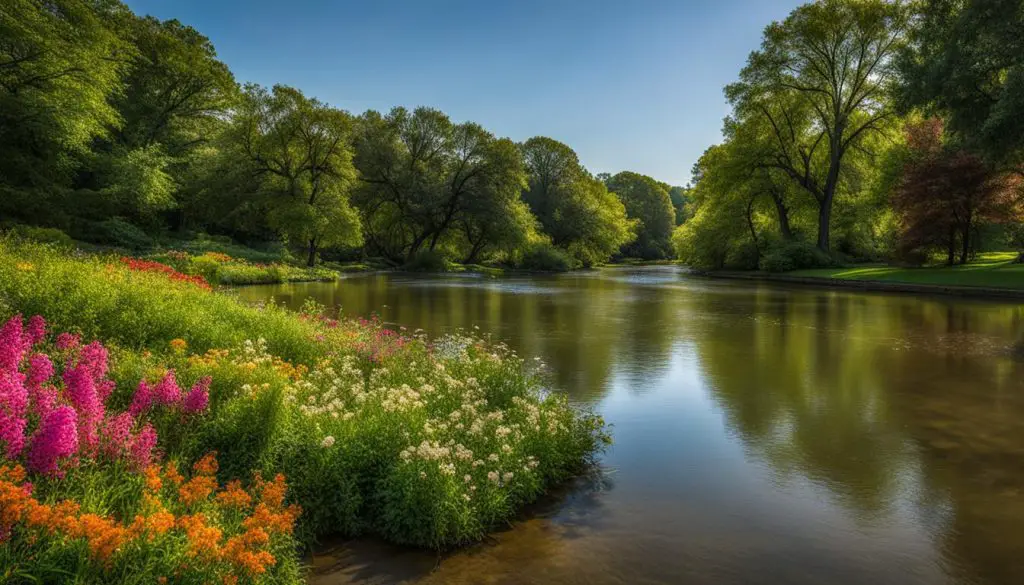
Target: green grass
{"x":989,"y":270}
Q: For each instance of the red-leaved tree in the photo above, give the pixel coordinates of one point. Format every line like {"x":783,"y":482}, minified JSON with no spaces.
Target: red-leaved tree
{"x":945,"y":193}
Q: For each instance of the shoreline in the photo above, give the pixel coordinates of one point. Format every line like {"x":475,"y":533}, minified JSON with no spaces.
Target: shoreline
{"x":979,"y":292}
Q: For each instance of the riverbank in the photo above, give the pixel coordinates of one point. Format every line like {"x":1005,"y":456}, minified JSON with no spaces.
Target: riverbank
{"x":370,"y":431}
{"x":993,"y":275}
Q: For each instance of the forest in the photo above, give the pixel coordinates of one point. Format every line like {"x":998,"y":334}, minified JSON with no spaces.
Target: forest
{"x":859,"y":131}
{"x":127,"y":131}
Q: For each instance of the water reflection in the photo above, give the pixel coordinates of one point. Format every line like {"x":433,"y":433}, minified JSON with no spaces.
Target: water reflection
{"x":763,"y":434}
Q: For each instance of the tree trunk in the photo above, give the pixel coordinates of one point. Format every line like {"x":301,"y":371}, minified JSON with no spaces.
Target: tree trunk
{"x":311,"y":260}
{"x":750,"y":223}
{"x":783,"y":213}
{"x":951,"y":247}
{"x":965,"y":244}
{"x":824,"y":219}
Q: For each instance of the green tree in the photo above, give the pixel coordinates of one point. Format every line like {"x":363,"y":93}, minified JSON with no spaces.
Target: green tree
{"x":820,"y":80}
{"x":60,"y":64}
{"x":965,"y":59}
{"x":648,"y":203}
{"x":574,"y":208}
{"x":423,"y":178}
{"x":300,"y":151}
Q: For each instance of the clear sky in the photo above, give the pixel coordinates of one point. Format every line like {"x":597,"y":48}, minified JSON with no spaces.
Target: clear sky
{"x":630,"y":84}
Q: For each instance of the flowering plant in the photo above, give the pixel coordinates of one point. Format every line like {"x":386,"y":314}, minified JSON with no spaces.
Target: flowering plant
{"x":138,"y":265}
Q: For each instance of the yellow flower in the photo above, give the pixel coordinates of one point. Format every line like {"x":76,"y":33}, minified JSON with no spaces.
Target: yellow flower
{"x":25,"y":266}
{"x":179,"y":345}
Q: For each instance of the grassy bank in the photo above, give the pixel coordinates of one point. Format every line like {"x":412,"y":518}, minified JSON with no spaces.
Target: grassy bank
{"x":989,"y":270}
{"x":428,"y":442}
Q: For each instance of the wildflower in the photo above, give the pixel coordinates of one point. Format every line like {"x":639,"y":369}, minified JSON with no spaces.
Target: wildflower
{"x":204,"y":541}
{"x":81,"y":389}
{"x":198,"y":397}
{"x":153,"y":481}
{"x":142,"y":400}
{"x":328,"y":442}
{"x":140,"y":447}
{"x":207,"y":465}
{"x":14,"y":402}
{"x":178,"y":345}
{"x":167,"y":391}
{"x":234,"y":496}
{"x":507,"y":477}
{"x":492,"y":476}
{"x":467,"y":478}
{"x":25,"y":266}
{"x":68,"y":341}
{"x":36,"y":330}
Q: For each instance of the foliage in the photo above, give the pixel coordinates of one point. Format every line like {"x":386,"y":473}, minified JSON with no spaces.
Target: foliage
{"x":575,"y":209}
{"x":544,"y":257}
{"x":794,"y":255}
{"x":944,"y":192}
{"x":648,"y":203}
{"x":426,"y":261}
{"x":116,"y":232}
{"x":966,"y":59}
{"x":43,"y":235}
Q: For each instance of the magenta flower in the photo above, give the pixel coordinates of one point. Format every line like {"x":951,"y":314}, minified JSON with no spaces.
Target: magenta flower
{"x":55,"y":439}
{"x":117,"y":434}
{"x":94,"y":360}
{"x":36,"y":330}
{"x":167,"y":391}
{"x":198,"y":397}
{"x":141,"y":447}
{"x":81,"y":390}
{"x":13,"y":408}
{"x":66,"y":341}
{"x":40,"y":370}
{"x":12,"y":344}
{"x":143,"y":399}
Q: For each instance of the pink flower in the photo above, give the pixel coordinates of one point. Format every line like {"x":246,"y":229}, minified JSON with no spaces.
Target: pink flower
{"x":141,"y":447}
{"x":117,"y":434}
{"x":198,"y":397}
{"x":12,"y":344}
{"x":167,"y":391}
{"x":143,"y":399}
{"x":36,"y":330}
{"x":40,"y":370}
{"x":94,"y":360}
{"x":81,"y":390}
{"x":66,"y":341}
{"x":55,"y":439}
{"x":13,"y":408}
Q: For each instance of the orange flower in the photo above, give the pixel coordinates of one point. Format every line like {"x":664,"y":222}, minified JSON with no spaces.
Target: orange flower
{"x":207,"y":465}
{"x":234,"y":496}
{"x":272,"y":492}
{"x":197,"y":489}
{"x":171,"y":473}
{"x":178,"y":345}
{"x":153,"y":482}
{"x":102,"y":534}
{"x":203,"y":540}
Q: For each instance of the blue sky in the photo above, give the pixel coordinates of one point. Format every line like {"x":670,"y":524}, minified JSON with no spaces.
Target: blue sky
{"x":630,"y":85}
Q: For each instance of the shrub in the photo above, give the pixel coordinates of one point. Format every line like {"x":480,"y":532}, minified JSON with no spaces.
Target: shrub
{"x":545,"y":258}
{"x":117,"y":232}
{"x":794,"y":255}
{"x":744,"y":256}
{"x":426,"y":261}
{"x":44,"y":235}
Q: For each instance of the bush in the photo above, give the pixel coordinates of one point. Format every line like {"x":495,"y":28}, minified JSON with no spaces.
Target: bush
{"x":794,"y":255}
{"x":43,"y":235}
{"x":116,"y":232}
{"x":426,"y":261}
{"x":745,"y":256}
{"x":545,"y":258}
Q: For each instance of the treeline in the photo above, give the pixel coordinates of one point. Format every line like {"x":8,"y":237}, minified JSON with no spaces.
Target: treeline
{"x":122,"y":130}
{"x":868,"y":130}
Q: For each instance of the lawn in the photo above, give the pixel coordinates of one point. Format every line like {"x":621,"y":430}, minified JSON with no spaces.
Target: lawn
{"x":990,"y":270}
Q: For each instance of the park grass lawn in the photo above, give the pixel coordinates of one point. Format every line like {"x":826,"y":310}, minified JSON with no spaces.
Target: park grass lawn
{"x":989,"y":270}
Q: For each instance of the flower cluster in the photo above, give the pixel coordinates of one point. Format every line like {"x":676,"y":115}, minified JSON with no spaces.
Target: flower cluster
{"x":226,"y":532}
{"x":139,"y":265}
{"x":68,"y":413}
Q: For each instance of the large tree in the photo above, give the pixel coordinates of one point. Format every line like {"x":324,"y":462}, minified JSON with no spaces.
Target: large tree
{"x":61,"y":63}
{"x":649,"y":204}
{"x":423,"y":177}
{"x":966,"y":60}
{"x":574,"y":208}
{"x":299,"y":151}
{"x":820,"y":81}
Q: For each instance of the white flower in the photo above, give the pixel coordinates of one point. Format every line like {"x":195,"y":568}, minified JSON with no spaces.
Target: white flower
{"x":492,"y":476}
{"x":507,"y":477}
{"x":467,"y":478}
{"x":328,"y":442}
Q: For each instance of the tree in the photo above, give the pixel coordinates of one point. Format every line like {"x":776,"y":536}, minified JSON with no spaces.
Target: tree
{"x":60,"y":64}
{"x":648,"y":203}
{"x":820,"y":81}
{"x":680,"y":196}
{"x":966,"y":59}
{"x":300,"y":151}
{"x":423,"y":177}
{"x":574,"y":208}
{"x":944,"y":193}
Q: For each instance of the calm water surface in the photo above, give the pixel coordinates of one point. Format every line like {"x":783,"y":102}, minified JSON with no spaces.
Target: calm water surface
{"x":763,"y":434}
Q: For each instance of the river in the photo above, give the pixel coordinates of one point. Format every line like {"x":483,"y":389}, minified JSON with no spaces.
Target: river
{"x":763,"y":433}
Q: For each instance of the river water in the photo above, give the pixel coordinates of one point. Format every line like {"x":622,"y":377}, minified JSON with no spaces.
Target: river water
{"x":763,"y":433}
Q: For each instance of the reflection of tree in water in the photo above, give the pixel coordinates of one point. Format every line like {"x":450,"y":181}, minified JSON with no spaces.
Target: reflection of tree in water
{"x":863,"y":393}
